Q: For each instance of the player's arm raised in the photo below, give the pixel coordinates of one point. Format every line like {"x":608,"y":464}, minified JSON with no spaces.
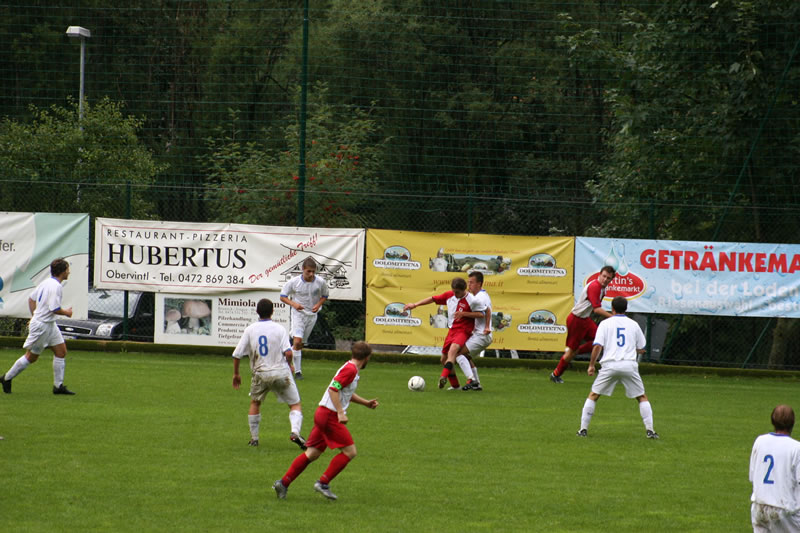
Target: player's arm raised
{"x":424,"y":301}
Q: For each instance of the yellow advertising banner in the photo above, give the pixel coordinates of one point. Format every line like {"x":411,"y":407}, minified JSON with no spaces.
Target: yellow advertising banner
{"x":529,"y":280}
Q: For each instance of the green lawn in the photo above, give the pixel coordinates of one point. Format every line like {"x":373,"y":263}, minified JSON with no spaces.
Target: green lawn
{"x":159,"y":443}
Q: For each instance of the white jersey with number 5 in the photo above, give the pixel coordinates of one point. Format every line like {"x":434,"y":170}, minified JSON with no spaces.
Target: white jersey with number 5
{"x":775,"y":471}
{"x":620,"y":337}
{"x":265,"y":343}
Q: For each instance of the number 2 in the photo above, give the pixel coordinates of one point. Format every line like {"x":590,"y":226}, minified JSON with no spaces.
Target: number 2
{"x":620,"y":336}
{"x":771,"y":460}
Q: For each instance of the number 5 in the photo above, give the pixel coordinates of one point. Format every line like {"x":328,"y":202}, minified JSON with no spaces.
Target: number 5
{"x":620,"y":336}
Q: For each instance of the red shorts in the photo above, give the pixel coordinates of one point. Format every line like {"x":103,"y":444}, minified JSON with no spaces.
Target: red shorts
{"x":578,"y":330}
{"x":455,"y":336}
{"x":328,"y":432}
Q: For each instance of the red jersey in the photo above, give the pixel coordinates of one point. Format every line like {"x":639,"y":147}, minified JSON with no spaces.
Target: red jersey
{"x":457,"y":304}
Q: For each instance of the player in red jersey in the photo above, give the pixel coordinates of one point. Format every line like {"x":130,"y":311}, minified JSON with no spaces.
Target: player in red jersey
{"x":580,"y":326}
{"x":329,"y":425}
{"x":460,"y":320}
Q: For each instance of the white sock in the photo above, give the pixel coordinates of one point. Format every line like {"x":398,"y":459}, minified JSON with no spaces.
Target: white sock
{"x":297,"y":355}
{"x":475,"y":373}
{"x":58,"y":371}
{"x":647,"y":415}
{"x":18,"y":366}
{"x":296,"y":420}
{"x":463,"y":362}
{"x":588,"y":412}
{"x":255,"y":421}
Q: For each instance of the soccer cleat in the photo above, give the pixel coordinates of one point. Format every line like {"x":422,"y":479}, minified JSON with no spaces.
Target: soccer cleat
{"x":442,"y":381}
{"x":300,"y":441}
{"x":62,"y":389}
{"x":652,"y":434}
{"x":298,"y":376}
{"x":280,"y":489}
{"x":324,"y":489}
{"x":472,"y":385}
{"x":453,"y":388}
{"x":555,"y":379}
{"x":6,"y":384}
{"x":253,"y":442}
{"x":582,"y":433}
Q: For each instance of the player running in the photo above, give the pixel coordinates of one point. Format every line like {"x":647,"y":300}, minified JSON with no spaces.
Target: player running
{"x":580,"y":325}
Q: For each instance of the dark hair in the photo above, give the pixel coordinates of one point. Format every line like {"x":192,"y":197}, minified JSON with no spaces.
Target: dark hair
{"x":264,"y":308}
{"x":58,"y":267}
{"x":783,"y":418}
{"x":361,"y":350}
{"x":619,"y":304}
{"x":611,"y":270}
{"x":477,"y":275}
{"x":458,"y":283}
{"x":309,"y":262}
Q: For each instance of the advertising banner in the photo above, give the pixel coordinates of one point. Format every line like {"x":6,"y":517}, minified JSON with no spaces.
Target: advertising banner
{"x":28,"y":244}
{"x":185,"y":257}
{"x":211,"y":319}
{"x":529,"y":280}
{"x":696,"y":278}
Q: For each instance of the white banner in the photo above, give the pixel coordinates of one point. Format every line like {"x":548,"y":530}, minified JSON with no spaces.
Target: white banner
{"x":28,"y":244}
{"x":211,"y":319}
{"x":185,"y":257}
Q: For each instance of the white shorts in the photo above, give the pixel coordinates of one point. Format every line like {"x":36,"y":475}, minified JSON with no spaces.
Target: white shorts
{"x":302,"y":323}
{"x":281,"y":382}
{"x":613,"y":372}
{"x":478,"y":342}
{"x":42,"y":335}
{"x":768,"y":519}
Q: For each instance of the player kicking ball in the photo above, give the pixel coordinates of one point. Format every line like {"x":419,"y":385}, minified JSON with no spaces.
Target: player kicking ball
{"x":621,"y":340}
{"x":330,"y":430}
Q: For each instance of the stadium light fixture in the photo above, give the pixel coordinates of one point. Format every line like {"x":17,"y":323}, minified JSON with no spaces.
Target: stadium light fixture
{"x":83,"y":34}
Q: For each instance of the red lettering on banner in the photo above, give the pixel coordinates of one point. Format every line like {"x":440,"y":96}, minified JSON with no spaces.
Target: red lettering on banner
{"x":727,"y":261}
{"x":761,"y":259}
{"x":662,"y":259}
{"x":744,"y":262}
{"x":691,"y":261}
{"x":795,"y":264}
{"x":708,"y":262}
{"x":647,"y":260}
{"x":777,"y":263}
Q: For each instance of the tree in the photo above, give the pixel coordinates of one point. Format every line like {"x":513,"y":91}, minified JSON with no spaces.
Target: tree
{"x":60,"y":163}
{"x":251,"y":184}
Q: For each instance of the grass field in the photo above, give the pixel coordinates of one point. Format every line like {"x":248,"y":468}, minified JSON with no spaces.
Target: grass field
{"x":159,"y":443}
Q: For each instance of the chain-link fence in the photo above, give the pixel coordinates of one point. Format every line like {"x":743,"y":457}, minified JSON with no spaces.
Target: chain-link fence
{"x":665,"y":120}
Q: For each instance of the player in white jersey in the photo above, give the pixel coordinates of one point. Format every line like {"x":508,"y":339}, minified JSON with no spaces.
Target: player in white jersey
{"x":44,"y":304}
{"x":305,"y":294}
{"x":481,"y":336}
{"x":329,"y":425}
{"x":775,"y":474}
{"x":621,"y":340}
{"x":267,"y":345}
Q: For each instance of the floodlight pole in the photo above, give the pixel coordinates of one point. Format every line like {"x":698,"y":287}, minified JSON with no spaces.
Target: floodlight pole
{"x":82,"y":33}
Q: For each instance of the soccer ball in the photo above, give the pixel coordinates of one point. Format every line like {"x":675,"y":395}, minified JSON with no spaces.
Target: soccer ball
{"x":416,"y":383}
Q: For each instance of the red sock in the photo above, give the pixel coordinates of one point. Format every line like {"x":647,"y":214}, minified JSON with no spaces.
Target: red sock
{"x":445,"y":372}
{"x":298,"y":465}
{"x":453,"y":380}
{"x":562,"y":365}
{"x":336,"y":465}
{"x":586,"y":347}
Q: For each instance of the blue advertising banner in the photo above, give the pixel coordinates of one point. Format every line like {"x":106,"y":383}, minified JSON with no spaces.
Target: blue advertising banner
{"x":695,"y":278}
